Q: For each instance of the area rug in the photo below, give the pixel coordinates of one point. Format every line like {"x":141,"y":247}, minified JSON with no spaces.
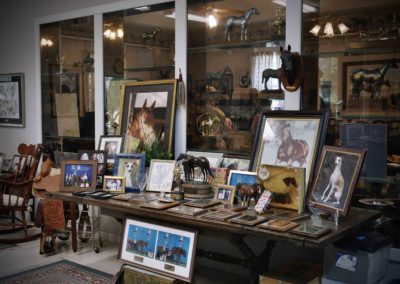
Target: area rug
{"x":63,"y":271}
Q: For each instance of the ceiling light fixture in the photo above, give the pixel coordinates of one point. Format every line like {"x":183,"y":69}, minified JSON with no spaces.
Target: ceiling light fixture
{"x":328,"y":29}
{"x":315,"y":30}
{"x":343,"y":28}
{"x":112,"y":34}
{"x":46,"y":42}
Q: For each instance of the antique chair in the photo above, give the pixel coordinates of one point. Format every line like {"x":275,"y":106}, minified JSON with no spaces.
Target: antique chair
{"x":16,"y":192}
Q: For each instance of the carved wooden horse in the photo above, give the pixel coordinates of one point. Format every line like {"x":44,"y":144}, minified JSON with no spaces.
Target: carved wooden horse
{"x":142,"y":125}
{"x":242,"y":22}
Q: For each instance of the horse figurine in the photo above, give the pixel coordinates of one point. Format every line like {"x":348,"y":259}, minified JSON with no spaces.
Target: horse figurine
{"x":291,"y":150}
{"x":247,"y":192}
{"x":142,"y":125}
{"x":241,"y":21}
{"x":150,"y":36}
{"x":190,"y":162}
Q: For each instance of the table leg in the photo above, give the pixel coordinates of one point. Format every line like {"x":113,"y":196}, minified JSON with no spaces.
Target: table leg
{"x":73,"y":226}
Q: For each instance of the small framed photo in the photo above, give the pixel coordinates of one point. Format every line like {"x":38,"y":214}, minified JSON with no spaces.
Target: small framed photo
{"x":78,"y":175}
{"x":114,"y":184}
{"x":112,"y":146}
{"x":12,"y":107}
{"x":7,"y":162}
{"x":166,"y":250}
{"x":158,"y":169}
{"x":236,"y":177}
{"x":336,"y":178}
{"x":224,"y":193}
{"x":129,"y":166}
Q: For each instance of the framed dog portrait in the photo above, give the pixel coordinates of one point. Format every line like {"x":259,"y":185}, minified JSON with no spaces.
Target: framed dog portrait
{"x":289,"y":138}
{"x":78,"y":175}
{"x":129,"y":166}
{"x":148,"y":114}
{"x":114,"y":184}
{"x":166,"y":250}
{"x":112,"y":146}
{"x":224,"y":193}
{"x":336,"y":178}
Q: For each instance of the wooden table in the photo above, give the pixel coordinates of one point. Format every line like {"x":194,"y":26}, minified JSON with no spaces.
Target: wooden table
{"x":234,"y":233}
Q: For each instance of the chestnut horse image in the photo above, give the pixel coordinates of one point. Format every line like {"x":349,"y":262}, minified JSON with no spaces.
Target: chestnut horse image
{"x":142,"y":125}
{"x":246,"y":191}
{"x":177,"y":253}
{"x":291,"y":150}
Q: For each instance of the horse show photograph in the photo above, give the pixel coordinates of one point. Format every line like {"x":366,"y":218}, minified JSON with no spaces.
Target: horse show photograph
{"x":78,"y":175}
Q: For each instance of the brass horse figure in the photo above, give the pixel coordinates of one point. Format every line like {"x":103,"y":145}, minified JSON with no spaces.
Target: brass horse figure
{"x":242,"y":22}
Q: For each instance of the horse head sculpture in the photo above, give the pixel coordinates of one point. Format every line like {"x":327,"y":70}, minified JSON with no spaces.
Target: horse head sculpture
{"x":292,"y":69}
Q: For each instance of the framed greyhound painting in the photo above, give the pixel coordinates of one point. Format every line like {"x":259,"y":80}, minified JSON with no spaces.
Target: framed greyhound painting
{"x":148,"y":111}
{"x":289,"y":138}
{"x":335,"y":179}
{"x":129,"y":166}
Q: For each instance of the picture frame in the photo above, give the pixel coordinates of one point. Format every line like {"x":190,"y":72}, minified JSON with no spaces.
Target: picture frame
{"x":12,"y":107}
{"x":7,"y":162}
{"x":114,"y":184}
{"x":281,"y":225}
{"x":187,"y":210}
{"x":77,"y":175}
{"x":169,"y":251}
{"x":214,"y":158}
{"x":249,"y":220}
{"x":129,"y":165}
{"x":101,"y":157}
{"x":356,"y":93}
{"x":164,"y":169}
{"x":220,"y":215}
{"x":112,"y":145}
{"x":224,"y":193}
{"x":236,"y":177}
{"x":64,"y":156}
{"x":339,"y":166}
{"x":310,"y":230}
{"x":305,"y":130}
{"x":156,"y":99}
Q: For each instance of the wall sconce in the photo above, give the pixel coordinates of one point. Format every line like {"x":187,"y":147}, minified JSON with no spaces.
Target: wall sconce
{"x":112,"y":34}
{"x":46,"y":42}
{"x":328,"y":29}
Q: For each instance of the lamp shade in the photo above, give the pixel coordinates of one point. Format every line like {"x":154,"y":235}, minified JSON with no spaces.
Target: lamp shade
{"x":343,"y":28}
{"x":315,"y":30}
{"x":328,"y":30}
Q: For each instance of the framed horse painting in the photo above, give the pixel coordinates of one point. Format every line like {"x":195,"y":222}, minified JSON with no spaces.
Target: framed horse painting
{"x":289,"y":138}
{"x":336,"y":177}
{"x":148,"y":113}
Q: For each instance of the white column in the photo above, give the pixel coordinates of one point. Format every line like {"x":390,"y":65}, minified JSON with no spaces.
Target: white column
{"x":98,"y":78}
{"x":294,"y":10}
{"x":180,"y":63}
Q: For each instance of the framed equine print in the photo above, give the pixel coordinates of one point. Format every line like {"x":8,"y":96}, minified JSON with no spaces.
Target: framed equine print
{"x":78,"y":175}
{"x":289,"y":138}
{"x":148,"y":113}
{"x":12,"y":106}
{"x":112,"y":146}
{"x":161,"y":175}
{"x":129,"y":166}
{"x":335,"y":178}
{"x":166,"y":250}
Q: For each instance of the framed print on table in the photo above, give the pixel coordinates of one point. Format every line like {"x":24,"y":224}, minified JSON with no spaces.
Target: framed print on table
{"x":12,"y":106}
{"x":129,"y":166}
{"x":101,"y":157}
{"x":236,"y":177}
{"x":289,"y":138}
{"x":114,"y":184}
{"x":336,"y":178}
{"x":112,"y":146}
{"x":148,"y":113}
{"x":166,"y":250}
{"x":224,"y":193}
{"x":161,"y":175}
{"x":78,"y":175}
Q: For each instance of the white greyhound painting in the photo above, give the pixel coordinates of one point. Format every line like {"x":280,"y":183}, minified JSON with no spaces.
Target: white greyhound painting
{"x":336,"y":183}
{"x":129,"y":167}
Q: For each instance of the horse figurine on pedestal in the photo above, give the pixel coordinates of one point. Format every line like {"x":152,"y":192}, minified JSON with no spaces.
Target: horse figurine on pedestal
{"x":246,"y":191}
{"x":242,"y":21}
{"x":190,"y":162}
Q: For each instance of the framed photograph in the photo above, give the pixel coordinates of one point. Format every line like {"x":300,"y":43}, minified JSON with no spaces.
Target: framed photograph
{"x":12,"y":106}
{"x":165,"y":250}
{"x":220,"y":215}
{"x":310,"y":230}
{"x":78,"y":175}
{"x":286,"y":184}
{"x":187,"y":210}
{"x":224,"y":193}
{"x":278,"y":225}
{"x":160,"y":205}
{"x":7,"y":162}
{"x":289,"y":138}
{"x":114,"y":184}
{"x":129,"y":165}
{"x":202,"y":203}
{"x":236,"y":177}
{"x":365,"y":80}
{"x":213,"y":158}
{"x":100,"y":157}
{"x":112,"y":146}
{"x":158,"y":169}
{"x":148,"y":114}
{"x":238,"y":164}
{"x":335,"y":178}
{"x":249,"y":220}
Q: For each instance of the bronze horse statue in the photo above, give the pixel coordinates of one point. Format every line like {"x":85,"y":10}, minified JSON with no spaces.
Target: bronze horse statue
{"x":242,"y":22}
{"x":246,"y":191}
{"x":190,"y":162}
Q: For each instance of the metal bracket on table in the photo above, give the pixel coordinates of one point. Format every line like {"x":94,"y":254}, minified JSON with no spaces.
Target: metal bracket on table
{"x":257,"y":264}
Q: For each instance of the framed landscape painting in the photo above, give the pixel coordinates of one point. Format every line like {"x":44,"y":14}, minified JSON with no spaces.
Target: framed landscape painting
{"x":148,"y":115}
{"x":166,"y":250}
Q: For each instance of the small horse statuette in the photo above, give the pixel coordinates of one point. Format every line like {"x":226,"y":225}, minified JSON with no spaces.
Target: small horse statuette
{"x":246,"y":192}
{"x":241,"y":21}
{"x":150,"y":36}
{"x":190,"y":162}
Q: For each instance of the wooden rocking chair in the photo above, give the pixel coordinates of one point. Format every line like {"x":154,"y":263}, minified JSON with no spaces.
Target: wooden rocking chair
{"x":15,"y":193}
